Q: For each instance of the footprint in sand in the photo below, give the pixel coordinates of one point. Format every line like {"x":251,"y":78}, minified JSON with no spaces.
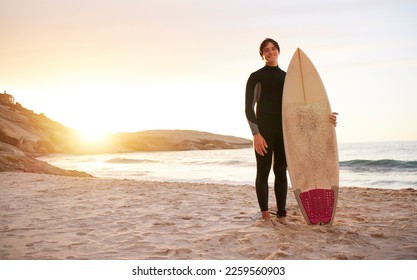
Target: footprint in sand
{"x":163,"y":224}
{"x":378,"y":235}
{"x":264,"y":223}
{"x":187,"y":218}
{"x":278,"y":255}
{"x":173,"y":252}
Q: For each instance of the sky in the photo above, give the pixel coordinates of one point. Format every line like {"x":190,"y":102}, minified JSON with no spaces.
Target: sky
{"x":132,"y":65}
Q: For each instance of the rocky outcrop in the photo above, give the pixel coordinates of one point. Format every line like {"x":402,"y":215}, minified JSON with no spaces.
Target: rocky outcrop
{"x":25,"y":135}
{"x":176,"y":140}
{"x":13,"y":159}
{"x":32,"y":133}
{"x":37,"y":135}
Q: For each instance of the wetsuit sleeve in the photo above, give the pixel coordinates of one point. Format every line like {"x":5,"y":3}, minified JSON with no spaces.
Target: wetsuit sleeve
{"x":253,"y":92}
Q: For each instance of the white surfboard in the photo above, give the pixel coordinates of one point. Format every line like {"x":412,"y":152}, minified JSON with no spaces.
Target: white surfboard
{"x":310,"y":141}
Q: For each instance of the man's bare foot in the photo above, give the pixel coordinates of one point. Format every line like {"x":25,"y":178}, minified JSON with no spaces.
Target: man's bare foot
{"x":266,"y":218}
{"x":266,"y":215}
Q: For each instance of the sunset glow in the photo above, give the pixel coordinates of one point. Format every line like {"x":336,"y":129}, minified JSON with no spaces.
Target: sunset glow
{"x":92,"y":136}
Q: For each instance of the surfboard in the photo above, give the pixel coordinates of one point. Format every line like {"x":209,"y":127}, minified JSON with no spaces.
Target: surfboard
{"x":310,"y":141}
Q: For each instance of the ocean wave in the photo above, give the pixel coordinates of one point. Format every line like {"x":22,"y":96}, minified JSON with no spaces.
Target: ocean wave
{"x":382,"y":165}
{"x":129,"y":160}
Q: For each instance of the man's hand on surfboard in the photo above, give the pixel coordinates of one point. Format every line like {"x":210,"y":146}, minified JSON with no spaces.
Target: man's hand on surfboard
{"x":333,"y":118}
{"x":260,"y":144}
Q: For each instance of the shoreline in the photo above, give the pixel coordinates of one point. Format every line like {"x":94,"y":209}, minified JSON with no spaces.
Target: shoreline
{"x":57,"y":217}
{"x":235,"y":167}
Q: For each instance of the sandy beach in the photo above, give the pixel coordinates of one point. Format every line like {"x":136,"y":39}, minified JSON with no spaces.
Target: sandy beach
{"x":57,"y":217}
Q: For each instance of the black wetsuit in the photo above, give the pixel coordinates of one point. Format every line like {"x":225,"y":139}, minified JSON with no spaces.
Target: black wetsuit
{"x":264,"y":90}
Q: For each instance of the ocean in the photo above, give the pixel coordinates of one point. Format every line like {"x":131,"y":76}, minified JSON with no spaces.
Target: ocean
{"x":390,"y":165}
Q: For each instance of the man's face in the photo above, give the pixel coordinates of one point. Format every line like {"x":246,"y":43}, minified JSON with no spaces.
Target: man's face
{"x":270,"y":55}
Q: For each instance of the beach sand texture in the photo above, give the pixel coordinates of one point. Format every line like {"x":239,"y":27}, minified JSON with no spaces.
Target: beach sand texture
{"x":56,"y":217}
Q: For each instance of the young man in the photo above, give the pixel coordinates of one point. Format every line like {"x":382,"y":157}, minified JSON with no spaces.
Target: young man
{"x":264,"y":91}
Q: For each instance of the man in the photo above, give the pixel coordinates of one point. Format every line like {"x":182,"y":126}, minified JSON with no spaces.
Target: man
{"x":264,"y":91}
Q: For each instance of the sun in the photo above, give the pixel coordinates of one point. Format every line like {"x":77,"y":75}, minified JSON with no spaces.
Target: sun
{"x":91,"y":141}
{"x":92,"y":136}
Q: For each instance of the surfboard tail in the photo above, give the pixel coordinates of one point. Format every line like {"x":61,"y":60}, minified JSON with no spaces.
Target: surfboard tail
{"x":318,"y":206}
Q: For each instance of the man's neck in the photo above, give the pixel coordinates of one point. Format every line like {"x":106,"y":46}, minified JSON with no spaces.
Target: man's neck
{"x":272,"y":64}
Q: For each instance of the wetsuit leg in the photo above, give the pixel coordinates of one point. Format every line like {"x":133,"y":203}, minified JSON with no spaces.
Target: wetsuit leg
{"x":280,"y":171}
{"x":263,"y":167}
{"x":275,"y":153}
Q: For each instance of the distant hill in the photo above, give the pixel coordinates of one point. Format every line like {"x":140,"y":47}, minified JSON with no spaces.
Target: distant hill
{"x":25,"y":135}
